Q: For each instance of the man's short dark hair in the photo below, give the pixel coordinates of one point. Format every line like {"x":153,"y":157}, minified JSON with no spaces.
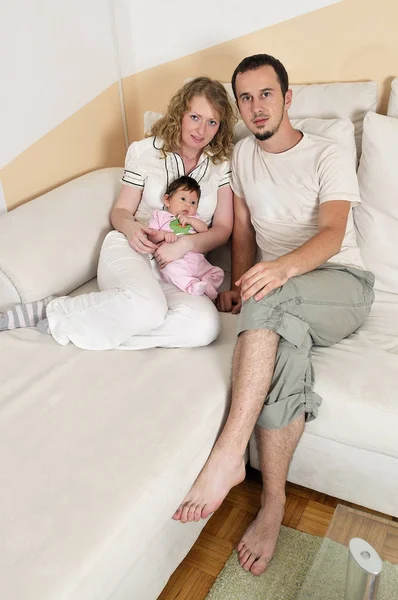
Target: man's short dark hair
{"x":186,"y":183}
{"x":250,"y":63}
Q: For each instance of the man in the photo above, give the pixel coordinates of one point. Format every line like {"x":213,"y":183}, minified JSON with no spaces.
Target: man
{"x":293,"y":195}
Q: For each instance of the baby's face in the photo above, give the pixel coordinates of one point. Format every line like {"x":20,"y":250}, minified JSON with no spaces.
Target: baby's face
{"x":182,"y":202}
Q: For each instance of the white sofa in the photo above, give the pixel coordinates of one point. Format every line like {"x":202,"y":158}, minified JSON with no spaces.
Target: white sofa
{"x":98,"y":448}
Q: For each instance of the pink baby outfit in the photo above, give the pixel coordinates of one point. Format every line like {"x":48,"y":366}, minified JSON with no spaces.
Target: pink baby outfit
{"x":192,"y":273}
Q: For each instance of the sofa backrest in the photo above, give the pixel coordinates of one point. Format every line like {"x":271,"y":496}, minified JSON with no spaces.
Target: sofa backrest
{"x":393,"y":101}
{"x":51,"y":244}
{"x":347,"y":100}
{"x":376,"y":219}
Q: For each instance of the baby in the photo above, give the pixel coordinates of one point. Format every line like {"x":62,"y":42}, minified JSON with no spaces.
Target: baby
{"x":192,"y":273}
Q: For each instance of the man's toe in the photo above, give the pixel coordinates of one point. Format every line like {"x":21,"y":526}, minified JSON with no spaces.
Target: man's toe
{"x":184,"y":514}
{"x":248,"y":564}
{"x":244,"y":555}
{"x":241,"y":546}
{"x":177,"y":514}
{"x":191,"y":512}
{"x":259,"y":566}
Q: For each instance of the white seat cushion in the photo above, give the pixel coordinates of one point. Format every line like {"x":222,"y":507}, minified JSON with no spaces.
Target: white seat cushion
{"x":338,"y":130}
{"x":51,"y":245}
{"x":376,"y":218}
{"x":93,"y":461}
{"x":393,"y":102}
{"x":357,"y":379}
{"x":332,"y":101}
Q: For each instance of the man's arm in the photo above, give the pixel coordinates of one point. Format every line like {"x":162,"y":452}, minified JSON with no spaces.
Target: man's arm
{"x":244,"y":250}
{"x":267,"y":276}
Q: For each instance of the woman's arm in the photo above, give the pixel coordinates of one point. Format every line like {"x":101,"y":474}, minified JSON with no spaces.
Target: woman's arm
{"x":216,"y":236}
{"x":221,"y":229}
{"x":122,"y":219}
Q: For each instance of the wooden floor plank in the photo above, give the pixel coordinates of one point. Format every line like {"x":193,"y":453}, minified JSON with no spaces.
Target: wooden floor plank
{"x":306,"y":510}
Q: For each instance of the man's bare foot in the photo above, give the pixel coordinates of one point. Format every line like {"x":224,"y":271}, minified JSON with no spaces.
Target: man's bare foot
{"x":222,"y":471}
{"x":258,"y":543}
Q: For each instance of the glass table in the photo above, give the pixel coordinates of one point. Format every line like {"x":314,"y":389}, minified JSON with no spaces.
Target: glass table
{"x":325,"y":578}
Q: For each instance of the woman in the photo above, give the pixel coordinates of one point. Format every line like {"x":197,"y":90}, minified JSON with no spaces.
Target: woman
{"x":134,"y":308}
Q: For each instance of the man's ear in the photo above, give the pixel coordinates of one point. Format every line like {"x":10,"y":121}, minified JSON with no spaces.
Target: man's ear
{"x":288,"y":99}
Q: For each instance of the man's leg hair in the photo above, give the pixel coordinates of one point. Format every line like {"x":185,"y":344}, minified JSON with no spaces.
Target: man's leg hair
{"x":252,"y":372}
{"x":276,"y":448}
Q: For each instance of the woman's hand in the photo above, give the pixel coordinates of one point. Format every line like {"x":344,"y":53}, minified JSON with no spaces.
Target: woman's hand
{"x":137,"y":237}
{"x":166,"y":253}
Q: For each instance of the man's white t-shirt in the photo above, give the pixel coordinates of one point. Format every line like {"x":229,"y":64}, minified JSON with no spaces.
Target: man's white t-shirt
{"x":283,"y":193}
{"x":147,"y":169}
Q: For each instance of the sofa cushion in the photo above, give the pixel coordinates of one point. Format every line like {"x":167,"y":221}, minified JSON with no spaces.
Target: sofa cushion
{"x":332,"y":101}
{"x":360,"y":406}
{"x":393,"y":102}
{"x":376,"y":219}
{"x":338,"y":130}
{"x":93,"y":460}
{"x":51,"y":245}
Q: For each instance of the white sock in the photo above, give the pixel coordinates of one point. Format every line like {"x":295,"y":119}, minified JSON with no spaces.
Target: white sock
{"x":24,"y":315}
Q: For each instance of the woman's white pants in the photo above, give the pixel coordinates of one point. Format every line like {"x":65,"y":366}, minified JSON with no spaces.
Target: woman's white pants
{"x":134,"y":309}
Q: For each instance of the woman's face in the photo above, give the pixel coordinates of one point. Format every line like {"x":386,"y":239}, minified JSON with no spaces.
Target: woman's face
{"x":199,"y":125}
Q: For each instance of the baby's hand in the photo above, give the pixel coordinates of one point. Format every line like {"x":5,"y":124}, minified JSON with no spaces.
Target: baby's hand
{"x":184,"y":220}
{"x":170,"y":238}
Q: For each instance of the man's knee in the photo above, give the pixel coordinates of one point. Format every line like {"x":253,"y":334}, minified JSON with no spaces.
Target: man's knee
{"x":291,"y":394}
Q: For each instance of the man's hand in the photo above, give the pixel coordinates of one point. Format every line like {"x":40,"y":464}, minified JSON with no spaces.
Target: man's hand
{"x":138,"y":238}
{"x":166,"y":253}
{"x":229,"y":302}
{"x":261,"y":279}
{"x":170,"y":238}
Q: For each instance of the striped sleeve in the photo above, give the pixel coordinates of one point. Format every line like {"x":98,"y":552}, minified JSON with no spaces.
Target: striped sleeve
{"x":133,"y":172}
{"x":225,"y":174}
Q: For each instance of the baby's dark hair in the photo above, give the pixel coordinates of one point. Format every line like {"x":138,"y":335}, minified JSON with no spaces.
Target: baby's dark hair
{"x":186,"y":183}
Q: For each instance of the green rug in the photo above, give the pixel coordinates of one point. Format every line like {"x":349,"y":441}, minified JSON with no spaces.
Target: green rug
{"x":305,"y":567}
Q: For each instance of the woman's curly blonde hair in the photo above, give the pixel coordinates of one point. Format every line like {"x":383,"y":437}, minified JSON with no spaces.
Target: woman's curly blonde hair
{"x":168,"y":128}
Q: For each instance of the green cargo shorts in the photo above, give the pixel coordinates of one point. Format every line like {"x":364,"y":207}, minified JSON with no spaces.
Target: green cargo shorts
{"x":318,"y":308}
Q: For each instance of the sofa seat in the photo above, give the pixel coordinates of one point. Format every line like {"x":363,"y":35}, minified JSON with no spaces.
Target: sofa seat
{"x":88,"y":490}
{"x":95,"y":460}
{"x":348,"y":377}
{"x":355,"y":434}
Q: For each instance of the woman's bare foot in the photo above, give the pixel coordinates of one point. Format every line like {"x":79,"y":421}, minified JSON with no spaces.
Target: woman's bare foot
{"x":222,"y":471}
{"x":258,"y":543}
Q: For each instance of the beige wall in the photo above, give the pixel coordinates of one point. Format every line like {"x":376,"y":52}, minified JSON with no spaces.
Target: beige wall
{"x":354,"y":40}
{"x":90,"y":139}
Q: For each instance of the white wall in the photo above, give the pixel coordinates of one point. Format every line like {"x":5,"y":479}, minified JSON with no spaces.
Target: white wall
{"x":149,"y":36}
{"x":56,"y":55}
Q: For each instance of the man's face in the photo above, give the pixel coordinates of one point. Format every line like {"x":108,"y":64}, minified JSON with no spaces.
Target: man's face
{"x":260,"y":101}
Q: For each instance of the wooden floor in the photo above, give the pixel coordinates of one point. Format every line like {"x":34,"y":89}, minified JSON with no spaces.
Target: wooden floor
{"x":306,"y":511}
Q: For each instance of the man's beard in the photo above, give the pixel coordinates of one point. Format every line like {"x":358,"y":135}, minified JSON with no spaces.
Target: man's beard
{"x":266,"y":135}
